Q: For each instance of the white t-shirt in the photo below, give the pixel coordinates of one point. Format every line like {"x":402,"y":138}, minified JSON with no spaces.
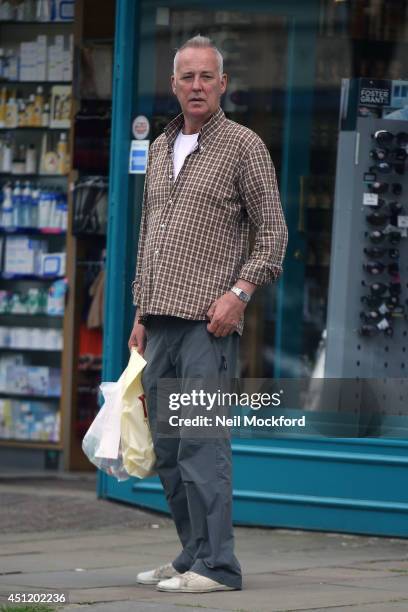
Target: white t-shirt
{"x":183,"y":146}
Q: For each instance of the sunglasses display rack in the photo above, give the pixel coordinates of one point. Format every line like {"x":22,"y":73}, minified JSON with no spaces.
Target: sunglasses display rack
{"x":368,"y":292}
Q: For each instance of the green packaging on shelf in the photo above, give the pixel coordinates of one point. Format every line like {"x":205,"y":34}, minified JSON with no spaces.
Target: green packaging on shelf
{"x":18,"y":303}
{"x":4,"y":301}
{"x":36,"y":301}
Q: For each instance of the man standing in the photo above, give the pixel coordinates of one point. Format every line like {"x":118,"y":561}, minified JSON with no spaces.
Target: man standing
{"x":208,"y":181}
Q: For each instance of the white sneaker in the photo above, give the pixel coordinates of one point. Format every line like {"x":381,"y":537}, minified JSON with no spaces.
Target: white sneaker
{"x":160,"y":573}
{"x":190,"y":582}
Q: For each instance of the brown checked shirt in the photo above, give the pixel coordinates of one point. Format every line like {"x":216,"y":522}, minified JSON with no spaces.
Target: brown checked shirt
{"x":194,"y":237}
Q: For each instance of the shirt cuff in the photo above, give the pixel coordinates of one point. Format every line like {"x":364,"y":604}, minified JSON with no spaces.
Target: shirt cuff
{"x":260,"y":274}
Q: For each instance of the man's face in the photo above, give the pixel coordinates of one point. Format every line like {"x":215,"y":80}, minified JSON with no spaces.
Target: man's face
{"x":198,"y":84}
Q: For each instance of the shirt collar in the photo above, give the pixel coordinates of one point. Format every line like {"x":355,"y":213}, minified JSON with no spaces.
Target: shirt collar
{"x":208,"y":129}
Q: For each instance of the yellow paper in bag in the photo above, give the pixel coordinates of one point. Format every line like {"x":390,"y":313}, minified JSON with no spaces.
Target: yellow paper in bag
{"x":136,"y":439}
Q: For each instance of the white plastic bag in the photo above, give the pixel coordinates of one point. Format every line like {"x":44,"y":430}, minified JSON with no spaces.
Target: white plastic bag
{"x":119,"y":441}
{"x":101,"y":443}
{"x":136,"y":439}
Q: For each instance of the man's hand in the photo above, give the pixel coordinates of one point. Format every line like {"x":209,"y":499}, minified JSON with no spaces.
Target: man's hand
{"x":138,"y":338}
{"x":224,"y":314}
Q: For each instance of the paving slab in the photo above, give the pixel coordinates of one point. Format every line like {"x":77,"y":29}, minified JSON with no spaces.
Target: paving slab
{"x":95,"y":558}
{"x":126,"y":606}
{"x":394,"y":606}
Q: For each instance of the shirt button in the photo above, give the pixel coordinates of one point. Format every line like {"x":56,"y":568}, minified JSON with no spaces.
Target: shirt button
{"x":163,"y":225}
{"x":170,"y":201}
{"x":156,"y":252}
{"x":170,"y":176}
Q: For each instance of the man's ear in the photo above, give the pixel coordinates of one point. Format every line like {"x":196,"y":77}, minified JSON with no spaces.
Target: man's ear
{"x":224,"y":82}
{"x":173,"y":84}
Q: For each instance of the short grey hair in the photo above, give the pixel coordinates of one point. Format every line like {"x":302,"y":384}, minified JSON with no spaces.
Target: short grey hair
{"x":200,"y":42}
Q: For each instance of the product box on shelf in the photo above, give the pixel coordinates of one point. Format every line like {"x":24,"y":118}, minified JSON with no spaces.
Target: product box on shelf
{"x":52,"y":264}
{"x":28,"y":421}
{"x":64,"y":10}
{"x":33,"y":301}
{"x":22,"y":255}
{"x":41,"y":58}
{"x":56,"y":298}
{"x":33,"y":380}
{"x":28,"y":61}
{"x":34,"y":338}
{"x":6,"y":362}
{"x":6,"y":418}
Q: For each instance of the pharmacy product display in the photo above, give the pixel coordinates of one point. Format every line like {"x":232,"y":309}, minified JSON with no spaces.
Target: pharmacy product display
{"x":27,"y":205}
{"x":46,"y":58}
{"x":37,"y":10}
{"x":36,"y":71}
{"x":31,"y":338}
{"x":29,"y":420}
{"x":34,"y":301}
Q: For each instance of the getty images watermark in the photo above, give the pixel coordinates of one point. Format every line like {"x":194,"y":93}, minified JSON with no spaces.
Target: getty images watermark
{"x":269,"y":407}
{"x":212,"y":409}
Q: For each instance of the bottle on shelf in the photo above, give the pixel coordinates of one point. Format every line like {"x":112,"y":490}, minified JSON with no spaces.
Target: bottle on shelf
{"x":6,"y":65}
{"x":2,"y":55}
{"x":19,"y":162}
{"x":38,"y":107}
{"x":31,"y":160}
{"x":30,"y":111}
{"x":7,"y":212}
{"x":44,"y":209}
{"x":16,"y":200}
{"x":3,"y":105}
{"x":25,"y":220}
{"x":7,"y":156}
{"x":12,"y":67}
{"x":45,"y":117}
{"x":6,"y":10}
{"x":11,"y":120}
{"x":62,"y":151}
{"x":21,"y":113}
{"x":19,"y":11}
{"x":35,"y":197}
{"x":43,"y":10}
{"x":29,"y":10}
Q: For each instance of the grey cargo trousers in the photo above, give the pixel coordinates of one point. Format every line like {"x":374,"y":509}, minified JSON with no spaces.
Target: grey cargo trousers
{"x":196,"y":474}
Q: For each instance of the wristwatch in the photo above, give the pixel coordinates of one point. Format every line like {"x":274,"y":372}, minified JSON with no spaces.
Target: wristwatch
{"x":244,"y":297}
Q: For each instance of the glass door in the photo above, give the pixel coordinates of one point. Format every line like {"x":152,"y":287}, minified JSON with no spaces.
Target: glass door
{"x":268,"y":56}
{"x":285,"y":62}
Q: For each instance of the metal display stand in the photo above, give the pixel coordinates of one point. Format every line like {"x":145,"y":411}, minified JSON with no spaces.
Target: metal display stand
{"x":349,"y":353}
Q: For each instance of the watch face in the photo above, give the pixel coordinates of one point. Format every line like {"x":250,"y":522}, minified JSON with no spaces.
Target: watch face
{"x":241,"y":294}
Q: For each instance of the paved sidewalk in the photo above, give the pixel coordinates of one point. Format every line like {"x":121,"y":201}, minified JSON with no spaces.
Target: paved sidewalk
{"x":59,"y":537}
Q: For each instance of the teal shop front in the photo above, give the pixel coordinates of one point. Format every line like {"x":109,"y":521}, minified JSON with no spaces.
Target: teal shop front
{"x":285,"y":62}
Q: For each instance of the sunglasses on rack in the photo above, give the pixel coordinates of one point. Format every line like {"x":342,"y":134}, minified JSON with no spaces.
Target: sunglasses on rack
{"x":384,"y":137}
{"x":386,"y":167}
{"x":378,"y":253}
{"x":372,"y":316}
{"x":379,"y":301}
{"x":374,"y":267}
{"x":380,"y":289}
{"x":377,"y":219}
{"x":378,"y":187}
{"x":374,"y":330}
{"x":378,"y":236}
